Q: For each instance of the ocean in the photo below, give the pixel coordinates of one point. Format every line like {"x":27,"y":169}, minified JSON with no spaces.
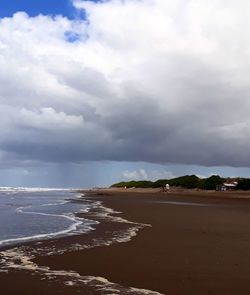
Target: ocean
{"x":42,"y":214}
{"x":31,"y":214}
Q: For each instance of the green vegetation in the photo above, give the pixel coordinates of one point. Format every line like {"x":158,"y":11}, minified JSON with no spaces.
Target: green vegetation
{"x":138,"y":184}
{"x":243,"y":184}
{"x":210,"y":183}
{"x":187,"y":181}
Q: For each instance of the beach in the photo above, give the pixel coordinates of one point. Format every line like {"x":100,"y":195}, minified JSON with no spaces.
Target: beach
{"x":183,"y":242}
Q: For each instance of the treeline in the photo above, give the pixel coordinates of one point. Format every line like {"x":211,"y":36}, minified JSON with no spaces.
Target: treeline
{"x":187,"y":181}
{"x":243,"y":184}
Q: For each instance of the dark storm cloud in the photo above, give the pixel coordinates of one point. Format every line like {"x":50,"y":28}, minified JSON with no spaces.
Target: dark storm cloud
{"x":145,"y":89}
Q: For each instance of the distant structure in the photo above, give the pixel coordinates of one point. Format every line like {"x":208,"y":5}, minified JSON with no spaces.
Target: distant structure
{"x":165,"y":188}
{"x":227,"y":186}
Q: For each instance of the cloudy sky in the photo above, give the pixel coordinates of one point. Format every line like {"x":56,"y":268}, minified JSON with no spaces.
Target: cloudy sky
{"x":93,"y":92}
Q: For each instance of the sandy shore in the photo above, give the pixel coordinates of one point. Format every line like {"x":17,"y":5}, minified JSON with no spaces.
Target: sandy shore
{"x":198,"y":243}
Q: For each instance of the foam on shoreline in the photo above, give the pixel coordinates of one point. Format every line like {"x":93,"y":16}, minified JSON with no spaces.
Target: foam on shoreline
{"x":74,"y":228}
{"x":17,"y":259}
{"x":21,"y":258}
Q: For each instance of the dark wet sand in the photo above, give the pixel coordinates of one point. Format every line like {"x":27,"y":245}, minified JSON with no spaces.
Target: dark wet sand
{"x":202,"y":247}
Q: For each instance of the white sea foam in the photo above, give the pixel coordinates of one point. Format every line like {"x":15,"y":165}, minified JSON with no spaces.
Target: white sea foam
{"x":20,"y":258}
{"x":55,"y":204}
{"x":71,"y":228}
{"x":118,"y":236}
{"x":32,"y":189}
{"x":108,"y":214}
{"x":74,"y":227}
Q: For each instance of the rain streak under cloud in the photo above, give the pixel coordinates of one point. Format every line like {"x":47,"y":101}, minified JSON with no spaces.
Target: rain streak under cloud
{"x":157,"y":81}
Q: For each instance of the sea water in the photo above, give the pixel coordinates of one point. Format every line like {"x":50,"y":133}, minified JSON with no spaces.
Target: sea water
{"x":33,"y":214}
{"x":29,"y":214}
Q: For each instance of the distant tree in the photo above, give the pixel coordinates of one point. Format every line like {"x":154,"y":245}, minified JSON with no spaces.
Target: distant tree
{"x":132,"y":183}
{"x":211,"y":182}
{"x":160,"y":183}
{"x":243,"y":184}
{"x":187,"y":181}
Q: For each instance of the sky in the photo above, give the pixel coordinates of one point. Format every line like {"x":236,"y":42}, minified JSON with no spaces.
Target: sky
{"x":33,"y":8}
{"x":95,"y":92}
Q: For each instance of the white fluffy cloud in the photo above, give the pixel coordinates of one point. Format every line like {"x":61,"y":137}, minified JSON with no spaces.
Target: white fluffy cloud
{"x":135,"y":175}
{"x":149,"y":80}
{"x":142,"y":174}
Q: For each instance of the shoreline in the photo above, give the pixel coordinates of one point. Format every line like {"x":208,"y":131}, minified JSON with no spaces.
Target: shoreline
{"x":158,"y":258}
{"x":78,"y":226}
{"x":110,"y":228}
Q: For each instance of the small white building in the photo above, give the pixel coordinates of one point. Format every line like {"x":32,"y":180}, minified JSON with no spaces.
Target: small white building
{"x":227,"y":186}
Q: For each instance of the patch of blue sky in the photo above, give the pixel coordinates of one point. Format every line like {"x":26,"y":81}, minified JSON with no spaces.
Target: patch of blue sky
{"x":72,"y":37}
{"x":45,"y":7}
{"x":34,"y":8}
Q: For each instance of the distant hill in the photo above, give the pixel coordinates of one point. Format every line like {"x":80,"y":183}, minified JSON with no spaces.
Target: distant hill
{"x":186,"y":181}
